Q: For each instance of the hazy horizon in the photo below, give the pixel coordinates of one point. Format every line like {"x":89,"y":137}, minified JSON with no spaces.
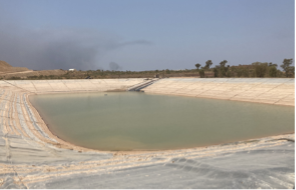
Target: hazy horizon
{"x":144,"y":35}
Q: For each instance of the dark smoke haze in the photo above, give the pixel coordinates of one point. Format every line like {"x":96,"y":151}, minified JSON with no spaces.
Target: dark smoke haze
{"x":114,"y":66}
{"x":58,"y":49}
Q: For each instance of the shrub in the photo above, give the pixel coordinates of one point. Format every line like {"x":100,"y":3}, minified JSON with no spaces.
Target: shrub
{"x":260,"y":69}
{"x":201,"y":73}
{"x":272,"y":71}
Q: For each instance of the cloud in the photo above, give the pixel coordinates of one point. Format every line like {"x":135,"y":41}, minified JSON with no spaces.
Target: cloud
{"x":58,"y":48}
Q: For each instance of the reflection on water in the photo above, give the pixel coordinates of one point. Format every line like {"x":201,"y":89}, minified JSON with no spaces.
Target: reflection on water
{"x":137,"y":121}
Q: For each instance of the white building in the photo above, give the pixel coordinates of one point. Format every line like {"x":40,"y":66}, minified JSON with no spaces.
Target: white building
{"x":72,"y":69}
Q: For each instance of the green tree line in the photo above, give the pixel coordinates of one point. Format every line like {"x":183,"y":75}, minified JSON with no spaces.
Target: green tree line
{"x":256,"y":69}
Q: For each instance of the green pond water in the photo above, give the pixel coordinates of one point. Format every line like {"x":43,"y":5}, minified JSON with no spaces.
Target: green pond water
{"x":139,"y":121}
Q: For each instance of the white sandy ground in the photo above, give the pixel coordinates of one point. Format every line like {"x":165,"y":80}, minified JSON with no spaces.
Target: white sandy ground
{"x":31,"y":157}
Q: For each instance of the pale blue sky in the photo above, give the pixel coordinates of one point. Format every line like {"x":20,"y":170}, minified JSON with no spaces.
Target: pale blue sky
{"x":144,"y":34}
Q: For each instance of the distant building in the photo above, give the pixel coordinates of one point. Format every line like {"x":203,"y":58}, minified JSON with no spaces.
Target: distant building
{"x":72,"y":69}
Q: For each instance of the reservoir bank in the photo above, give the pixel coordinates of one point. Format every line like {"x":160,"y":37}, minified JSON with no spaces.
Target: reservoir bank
{"x":32,"y":157}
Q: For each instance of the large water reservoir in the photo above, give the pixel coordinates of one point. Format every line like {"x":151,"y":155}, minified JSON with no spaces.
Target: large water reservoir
{"x":138,"y":121}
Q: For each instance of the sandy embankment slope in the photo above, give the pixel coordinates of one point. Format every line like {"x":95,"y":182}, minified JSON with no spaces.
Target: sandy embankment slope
{"x":5,"y":68}
{"x":30,"y":157}
{"x":8,"y":71}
